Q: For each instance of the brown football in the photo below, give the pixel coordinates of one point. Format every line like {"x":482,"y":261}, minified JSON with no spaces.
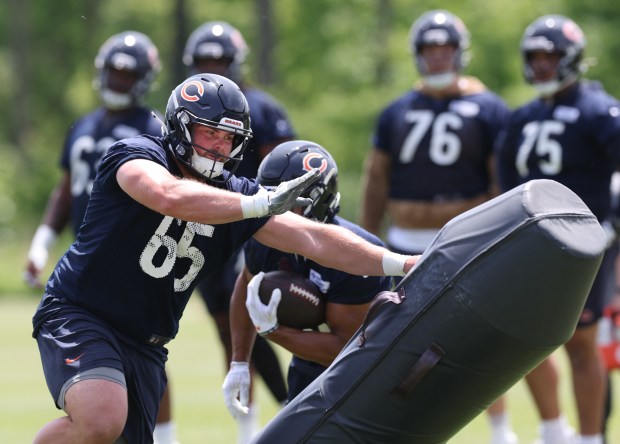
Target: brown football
{"x":302,"y":304}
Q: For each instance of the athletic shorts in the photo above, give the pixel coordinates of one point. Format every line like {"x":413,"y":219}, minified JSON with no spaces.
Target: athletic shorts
{"x":300,"y":374}
{"x":599,"y":294}
{"x":75,"y":345}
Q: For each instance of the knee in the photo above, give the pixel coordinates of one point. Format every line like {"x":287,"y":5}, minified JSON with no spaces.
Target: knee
{"x":105,"y":427}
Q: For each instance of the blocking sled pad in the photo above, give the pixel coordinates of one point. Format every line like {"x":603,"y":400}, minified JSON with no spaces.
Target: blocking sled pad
{"x":499,"y":289}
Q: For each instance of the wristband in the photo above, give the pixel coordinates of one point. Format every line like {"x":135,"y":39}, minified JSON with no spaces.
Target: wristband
{"x":268,"y":332}
{"x":44,"y":238}
{"x":393,"y":263}
{"x":241,"y":364}
{"x":256,"y":205}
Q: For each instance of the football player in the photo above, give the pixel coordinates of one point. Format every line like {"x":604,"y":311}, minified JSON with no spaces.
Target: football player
{"x":433,"y":148}
{"x":218,"y":47}
{"x":571,"y":134}
{"x":164,"y":213}
{"x":347,"y":296}
{"x":126,"y":65}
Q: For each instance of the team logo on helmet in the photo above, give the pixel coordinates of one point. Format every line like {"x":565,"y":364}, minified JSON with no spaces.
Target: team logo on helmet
{"x":572,"y":32}
{"x":200,"y":90}
{"x":311,"y":156}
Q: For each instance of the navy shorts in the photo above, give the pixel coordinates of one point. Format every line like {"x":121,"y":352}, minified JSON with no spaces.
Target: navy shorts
{"x":75,"y":345}
{"x":300,"y":374}
{"x":604,"y":283}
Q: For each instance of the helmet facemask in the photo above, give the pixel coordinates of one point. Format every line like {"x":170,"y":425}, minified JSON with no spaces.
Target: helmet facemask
{"x":554,"y":34}
{"x":129,"y":52}
{"x":214,"y":166}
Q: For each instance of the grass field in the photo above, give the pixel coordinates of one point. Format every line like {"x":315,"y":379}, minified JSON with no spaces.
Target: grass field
{"x":196,"y":369}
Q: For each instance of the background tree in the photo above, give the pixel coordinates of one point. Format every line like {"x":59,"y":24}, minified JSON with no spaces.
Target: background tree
{"x":334,"y":65}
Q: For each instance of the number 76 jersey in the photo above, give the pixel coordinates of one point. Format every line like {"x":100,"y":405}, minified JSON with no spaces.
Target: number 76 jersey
{"x":440,"y":148}
{"x":573,"y":139}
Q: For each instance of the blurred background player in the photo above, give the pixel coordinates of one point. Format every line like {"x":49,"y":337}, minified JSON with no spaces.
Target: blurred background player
{"x":348,"y":296}
{"x":433,"y":148}
{"x":219,"y":48}
{"x":126,"y":64}
{"x":570,"y":134}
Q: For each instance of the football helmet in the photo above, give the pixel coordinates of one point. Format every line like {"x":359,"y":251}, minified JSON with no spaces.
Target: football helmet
{"x":554,"y":33}
{"x":216,"y":40}
{"x":439,"y":27}
{"x":293,"y":159}
{"x":216,"y":102}
{"x":129,"y":51}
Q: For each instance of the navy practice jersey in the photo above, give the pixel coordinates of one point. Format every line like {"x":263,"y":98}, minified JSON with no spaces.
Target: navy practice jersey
{"x":88,"y":140}
{"x":338,"y":287}
{"x":134,"y":267}
{"x":269,"y":125}
{"x":440,"y":148}
{"x":574,"y":140}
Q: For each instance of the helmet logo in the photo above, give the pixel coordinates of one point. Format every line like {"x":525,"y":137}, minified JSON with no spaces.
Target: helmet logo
{"x":572,"y":32}
{"x":309,"y":157}
{"x":200,"y":90}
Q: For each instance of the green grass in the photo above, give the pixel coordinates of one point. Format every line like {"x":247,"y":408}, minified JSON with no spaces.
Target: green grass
{"x":196,"y":369}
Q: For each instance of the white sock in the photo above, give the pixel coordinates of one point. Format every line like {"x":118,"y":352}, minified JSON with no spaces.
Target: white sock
{"x":556,"y":430}
{"x":247,"y":426}
{"x":164,"y":433}
{"x":590,"y":439}
{"x":499,"y":421}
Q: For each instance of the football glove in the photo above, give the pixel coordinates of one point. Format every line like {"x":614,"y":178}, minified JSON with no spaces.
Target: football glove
{"x":284,"y":198}
{"x":236,"y":389}
{"x":263,"y":316}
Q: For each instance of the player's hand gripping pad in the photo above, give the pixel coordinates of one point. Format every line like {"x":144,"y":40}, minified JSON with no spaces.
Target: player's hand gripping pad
{"x":500,"y":288}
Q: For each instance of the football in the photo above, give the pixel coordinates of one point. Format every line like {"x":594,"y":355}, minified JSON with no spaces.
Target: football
{"x":302,"y":304}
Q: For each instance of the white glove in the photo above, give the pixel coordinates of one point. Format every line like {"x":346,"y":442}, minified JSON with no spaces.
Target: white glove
{"x":282,"y":199}
{"x":236,"y":389}
{"x":265,"y":317}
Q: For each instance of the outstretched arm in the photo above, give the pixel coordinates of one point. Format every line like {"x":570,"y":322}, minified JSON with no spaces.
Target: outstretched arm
{"x":153,"y":186}
{"x":332,"y":246}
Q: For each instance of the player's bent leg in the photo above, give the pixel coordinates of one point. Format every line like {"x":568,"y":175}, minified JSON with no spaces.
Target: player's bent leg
{"x":96,"y":413}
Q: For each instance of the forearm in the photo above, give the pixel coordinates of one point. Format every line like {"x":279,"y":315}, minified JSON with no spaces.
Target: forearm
{"x":319,"y":347}
{"x":354,"y":254}
{"x":243,"y":333}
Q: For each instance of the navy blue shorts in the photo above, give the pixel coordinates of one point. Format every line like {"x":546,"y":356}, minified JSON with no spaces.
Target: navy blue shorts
{"x":300,"y":374}
{"x":604,"y":283}
{"x":76,"y":345}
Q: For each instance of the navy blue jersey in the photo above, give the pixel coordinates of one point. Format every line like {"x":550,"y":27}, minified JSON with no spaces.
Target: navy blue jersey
{"x":269,"y":125}
{"x":133,"y":267}
{"x":440,"y":148}
{"x":574,"y":140}
{"x":88,"y":140}
{"x":339,"y":287}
